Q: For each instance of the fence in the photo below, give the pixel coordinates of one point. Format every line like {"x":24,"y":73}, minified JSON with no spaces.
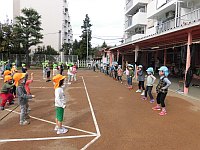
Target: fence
{"x":37,"y":59}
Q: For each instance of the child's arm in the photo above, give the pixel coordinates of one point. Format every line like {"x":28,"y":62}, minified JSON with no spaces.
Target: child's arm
{"x":168,"y":83}
{"x":21,"y":94}
{"x":154,"y":78}
{"x":32,"y":76}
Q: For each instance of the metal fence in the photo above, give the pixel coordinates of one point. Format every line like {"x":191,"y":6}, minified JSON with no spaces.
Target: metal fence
{"x":37,"y":59}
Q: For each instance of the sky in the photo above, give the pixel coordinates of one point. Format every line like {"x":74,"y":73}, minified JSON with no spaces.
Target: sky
{"x":106,"y":16}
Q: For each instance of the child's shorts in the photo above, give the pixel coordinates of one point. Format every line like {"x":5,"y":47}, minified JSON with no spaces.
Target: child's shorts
{"x":59,"y":113}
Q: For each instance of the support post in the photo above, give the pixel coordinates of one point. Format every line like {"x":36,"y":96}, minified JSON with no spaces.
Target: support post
{"x":136,"y":56}
{"x":186,"y":90}
{"x":165,"y":57}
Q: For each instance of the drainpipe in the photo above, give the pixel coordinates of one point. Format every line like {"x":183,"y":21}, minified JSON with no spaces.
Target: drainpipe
{"x":136,"y":56}
{"x":188,"y":59}
{"x":165,"y":57}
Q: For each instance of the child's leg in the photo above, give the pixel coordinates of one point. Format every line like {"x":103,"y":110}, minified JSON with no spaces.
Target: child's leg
{"x":157,"y":107}
{"x":162,"y":100}
{"x":147,"y":88}
{"x":142,"y":85}
{"x":139,"y":85}
{"x":23,"y":113}
{"x":4,"y":100}
{"x":149,"y":92}
{"x":10,"y":98}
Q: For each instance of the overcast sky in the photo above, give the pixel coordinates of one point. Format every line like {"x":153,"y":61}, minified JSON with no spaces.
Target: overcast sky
{"x":106,"y":16}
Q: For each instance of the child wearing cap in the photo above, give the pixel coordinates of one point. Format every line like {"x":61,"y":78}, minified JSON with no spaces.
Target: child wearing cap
{"x":24,"y":69}
{"x":6,"y":95}
{"x":162,"y":90}
{"x":140,"y":75}
{"x":149,"y":84}
{"x":119,"y":73}
{"x":23,"y":97}
{"x":60,"y":102}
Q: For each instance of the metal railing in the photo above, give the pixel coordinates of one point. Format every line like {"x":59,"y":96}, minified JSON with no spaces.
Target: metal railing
{"x":189,"y":18}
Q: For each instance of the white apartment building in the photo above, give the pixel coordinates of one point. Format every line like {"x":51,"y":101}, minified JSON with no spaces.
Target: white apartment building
{"x":148,"y":17}
{"x":54,"y":17}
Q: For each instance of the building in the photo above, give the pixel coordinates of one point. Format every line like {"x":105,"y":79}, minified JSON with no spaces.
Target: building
{"x":164,"y":31}
{"x":54,"y":17}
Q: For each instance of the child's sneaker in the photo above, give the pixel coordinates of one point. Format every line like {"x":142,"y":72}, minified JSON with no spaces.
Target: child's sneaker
{"x":56,"y":128}
{"x":142,"y":93}
{"x":62,"y":131}
{"x":144,"y":98}
{"x":24,"y":123}
{"x":162,"y":113}
{"x":2,"y":108}
{"x":156,"y":108}
{"x":138,"y":91}
{"x":152,"y":101}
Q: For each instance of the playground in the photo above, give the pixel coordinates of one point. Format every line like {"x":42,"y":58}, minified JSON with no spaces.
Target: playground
{"x":101,"y":113}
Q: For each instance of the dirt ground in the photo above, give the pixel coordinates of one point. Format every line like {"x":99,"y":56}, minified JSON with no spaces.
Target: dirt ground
{"x":124,"y":120}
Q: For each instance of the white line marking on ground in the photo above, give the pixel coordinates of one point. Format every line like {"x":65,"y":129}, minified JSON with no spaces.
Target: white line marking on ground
{"x":90,"y":143}
{"x":50,"y":122}
{"x":94,"y":118}
{"x":48,"y":138}
{"x":41,"y":87}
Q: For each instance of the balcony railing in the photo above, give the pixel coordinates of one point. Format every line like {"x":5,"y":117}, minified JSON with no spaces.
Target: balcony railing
{"x":189,"y":18}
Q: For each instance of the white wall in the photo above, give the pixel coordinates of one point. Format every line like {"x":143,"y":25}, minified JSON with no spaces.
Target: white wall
{"x":52,"y":16}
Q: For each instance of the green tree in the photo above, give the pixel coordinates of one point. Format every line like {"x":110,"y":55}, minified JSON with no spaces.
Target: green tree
{"x":104,"y":45}
{"x":47,"y":51}
{"x":66,"y":48}
{"x":86,"y":38}
{"x":28,"y":29}
{"x":6,"y":38}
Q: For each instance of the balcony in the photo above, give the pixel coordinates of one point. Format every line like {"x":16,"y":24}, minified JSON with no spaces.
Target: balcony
{"x":138,"y":19}
{"x":154,"y":10}
{"x":184,"y":20}
{"x":134,"y":37}
{"x":133,"y":3}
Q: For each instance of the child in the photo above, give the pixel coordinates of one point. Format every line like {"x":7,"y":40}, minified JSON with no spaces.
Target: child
{"x":28,"y":82}
{"x":162,"y":89}
{"x":55,"y":69}
{"x":24,"y":69}
{"x":44,"y":70}
{"x":74,"y":71}
{"x":149,"y":85}
{"x":48,"y":73}
{"x":60,"y":103}
{"x":22,"y":97}
{"x":70,"y":74}
{"x":5,"y":92}
{"x":141,"y":80}
{"x":130,"y":76}
{"x":119,"y":73}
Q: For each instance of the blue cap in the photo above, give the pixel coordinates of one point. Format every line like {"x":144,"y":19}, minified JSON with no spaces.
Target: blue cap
{"x":165,"y":70}
{"x":150,"y":69}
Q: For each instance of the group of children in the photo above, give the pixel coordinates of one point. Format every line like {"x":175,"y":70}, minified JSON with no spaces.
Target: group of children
{"x":16,"y":85}
{"x":130,"y":72}
{"x":58,"y":69}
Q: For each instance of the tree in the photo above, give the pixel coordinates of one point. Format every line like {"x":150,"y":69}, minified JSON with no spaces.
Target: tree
{"x":27,"y":28}
{"x":47,"y":51}
{"x":66,"y":48}
{"x":86,"y":38}
{"x":104,"y":45}
{"x":6,"y":38}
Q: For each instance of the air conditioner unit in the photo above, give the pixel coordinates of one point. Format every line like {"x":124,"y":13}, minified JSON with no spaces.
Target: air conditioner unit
{"x":170,"y":14}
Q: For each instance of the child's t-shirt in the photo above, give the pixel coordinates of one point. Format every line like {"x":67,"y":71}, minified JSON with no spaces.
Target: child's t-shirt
{"x":60,"y":100}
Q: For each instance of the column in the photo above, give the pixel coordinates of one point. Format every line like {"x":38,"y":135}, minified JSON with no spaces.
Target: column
{"x":186,"y":90}
{"x":136,"y":56}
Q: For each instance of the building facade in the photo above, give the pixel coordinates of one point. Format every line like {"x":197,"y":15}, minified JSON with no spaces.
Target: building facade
{"x":54,"y":17}
{"x":162,"y":32}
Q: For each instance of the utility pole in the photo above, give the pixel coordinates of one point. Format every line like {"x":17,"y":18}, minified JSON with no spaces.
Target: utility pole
{"x":59,"y":47}
{"x":87,"y":43}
